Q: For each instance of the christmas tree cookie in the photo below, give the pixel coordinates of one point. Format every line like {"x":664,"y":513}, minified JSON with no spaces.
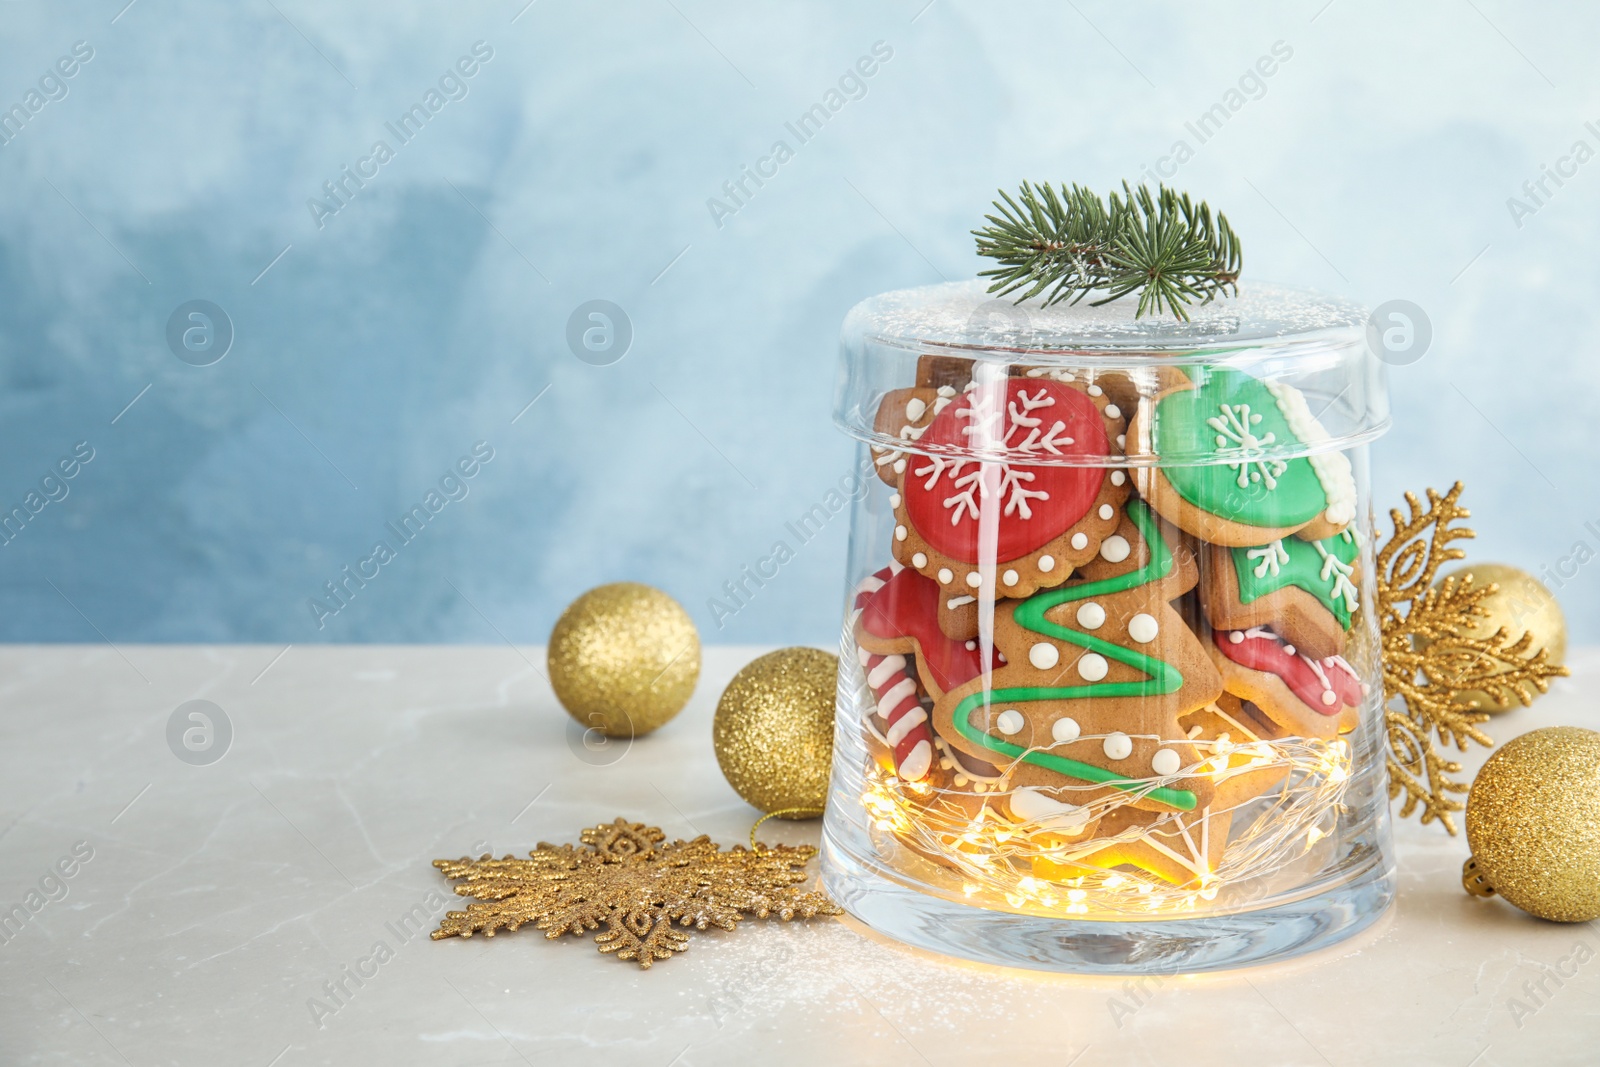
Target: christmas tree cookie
{"x":1098,"y":671}
{"x":1225,"y":436}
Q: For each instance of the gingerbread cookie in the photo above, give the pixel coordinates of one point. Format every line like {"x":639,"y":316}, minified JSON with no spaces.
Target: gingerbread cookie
{"x":1099,"y":670}
{"x":904,"y":414}
{"x":1115,"y":384}
{"x":996,"y":527}
{"x":897,"y":614}
{"x":1233,"y":487}
{"x":1305,"y":696}
{"x":904,"y":719}
{"x":1238,"y":735}
{"x":1305,"y":591}
{"x":1182,"y":847}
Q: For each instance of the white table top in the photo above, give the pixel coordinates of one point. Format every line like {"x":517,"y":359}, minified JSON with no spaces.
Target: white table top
{"x":220,"y":898}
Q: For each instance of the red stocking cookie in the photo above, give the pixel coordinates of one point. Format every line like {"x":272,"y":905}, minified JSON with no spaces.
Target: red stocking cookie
{"x":1305,"y":696}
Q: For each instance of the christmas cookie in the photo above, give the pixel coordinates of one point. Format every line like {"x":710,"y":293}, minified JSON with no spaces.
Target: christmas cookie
{"x":904,"y":414}
{"x":1182,"y":847}
{"x":897,"y":615}
{"x":903,"y":719}
{"x":1234,"y":487}
{"x":1238,"y":736}
{"x":934,"y":372}
{"x":1306,"y":591}
{"x":986,"y":528}
{"x":1115,"y":384}
{"x":1098,"y":671}
{"x":1305,"y":696}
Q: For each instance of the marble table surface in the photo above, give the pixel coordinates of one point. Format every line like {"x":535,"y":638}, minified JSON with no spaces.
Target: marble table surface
{"x":210,"y":901}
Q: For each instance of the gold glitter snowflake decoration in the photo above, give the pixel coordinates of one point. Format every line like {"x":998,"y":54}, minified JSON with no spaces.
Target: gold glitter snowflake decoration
{"x":1428,"y":657}
{"x":624,"y":877}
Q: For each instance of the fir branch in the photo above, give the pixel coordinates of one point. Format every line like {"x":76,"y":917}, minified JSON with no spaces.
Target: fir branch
{"x":1067,"y":244}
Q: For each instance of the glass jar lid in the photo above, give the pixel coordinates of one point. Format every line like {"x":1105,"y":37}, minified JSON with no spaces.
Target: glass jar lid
{"x":1302,"y":353}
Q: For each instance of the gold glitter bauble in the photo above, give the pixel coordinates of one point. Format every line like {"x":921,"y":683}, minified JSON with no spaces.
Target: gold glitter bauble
{"x":1522,"y":605}
{"x":773,"y":732}
{"x":624,"y":659}
{"x":1533,"y":824}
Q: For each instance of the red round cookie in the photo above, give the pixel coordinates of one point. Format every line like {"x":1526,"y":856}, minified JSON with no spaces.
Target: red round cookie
{"x":1039,"y":418}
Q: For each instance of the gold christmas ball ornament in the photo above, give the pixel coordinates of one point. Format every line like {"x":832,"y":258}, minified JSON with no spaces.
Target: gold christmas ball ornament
{"x":773,"y":732}
{"x":1522,"y":605}
{"x":1533,"y":824}
{"x":624,"y":659}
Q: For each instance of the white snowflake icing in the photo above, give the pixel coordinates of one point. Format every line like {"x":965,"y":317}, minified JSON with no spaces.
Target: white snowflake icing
{"x":1235,"y":435}
{"x":994,"y":424}
{"x":1338,"y":572}
{"x":1269,"y":558}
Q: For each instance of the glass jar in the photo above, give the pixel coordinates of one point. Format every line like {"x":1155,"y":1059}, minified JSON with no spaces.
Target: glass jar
{"x":1110,"y":697}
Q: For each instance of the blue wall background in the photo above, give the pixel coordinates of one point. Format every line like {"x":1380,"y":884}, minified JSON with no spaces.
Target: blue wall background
{"x":428,"y":312}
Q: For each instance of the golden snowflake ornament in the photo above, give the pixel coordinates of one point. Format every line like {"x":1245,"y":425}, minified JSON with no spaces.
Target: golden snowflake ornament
{"x":1428,"y":656}
{"x":625,"y":877}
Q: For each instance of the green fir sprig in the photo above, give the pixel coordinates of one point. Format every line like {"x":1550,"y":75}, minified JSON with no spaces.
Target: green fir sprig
{"x":1162,"y":245}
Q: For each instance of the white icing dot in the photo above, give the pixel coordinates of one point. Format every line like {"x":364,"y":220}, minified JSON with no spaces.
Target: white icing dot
{"x":1091,"y":616}
{"x":1115,"y":548}
{"x":1106,"y":511}
{"x":945,"y":576}
{"x":974,"y":579}
{"x":1044,"y":656}
{"x":1080,"y":541}
{"x":971,"y":645}
{"x":1288,"y":649}
{"x":899,"y":533}
{"x":894,"y":498}
{"x":1328,"y":697}
{"x":1236,"y":638}
{"x":1117,"y":477}
{"x":1143,"y":628}
{"x":1122,"y":440}
{"x":1165,"y":762}
{"x":915,"y":407}
{"x":1113,"y":412}
{"x":899,"y":466}
{"x":1095,"y":390}
{"x":919,"y":560}
{"x":1092,"y":666}
{"x":1065,"y":729}
{"x":1118,"y":746}
{"x":1010,"y":577}
{"x":1009,"y":722}
{"x":1047,"y":563}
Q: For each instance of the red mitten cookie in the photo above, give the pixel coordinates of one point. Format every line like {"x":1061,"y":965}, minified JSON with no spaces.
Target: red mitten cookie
{"x":898,"y":611}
